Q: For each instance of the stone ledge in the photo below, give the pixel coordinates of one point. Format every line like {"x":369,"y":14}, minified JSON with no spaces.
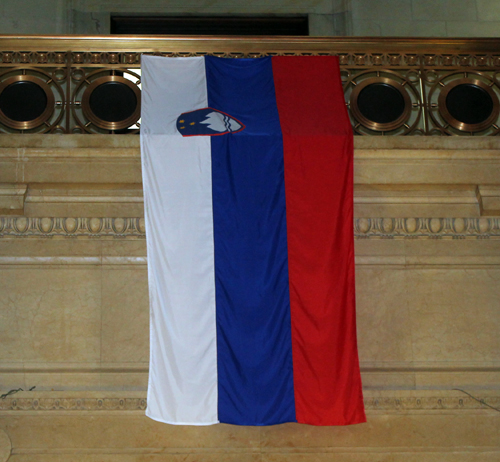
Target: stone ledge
{"x":377,"y":160}
{"x":360,"y":142}
{"x":463,"y":261}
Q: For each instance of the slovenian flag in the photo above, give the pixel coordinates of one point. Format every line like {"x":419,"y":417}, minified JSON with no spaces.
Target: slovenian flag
{"x":247,"y":170}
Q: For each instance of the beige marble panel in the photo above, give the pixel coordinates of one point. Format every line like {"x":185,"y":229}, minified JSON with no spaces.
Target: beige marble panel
{"x":366,"y":456}
{"x":415,"y":200}
{"x":129,"y":171}
{"x":329,"y":457}
{"x":51,"y":246}
{"x":50,"y":314}
{"x":122,"y":431}
{"x":68,"y":141}
{"x":58,"y":377}
{"x":383,"y":319}
{"x":133,"y":248}
{"x":70,"y":170}
{"x":438,"y":171}
{"x":84,"y":200}
{"x":490,"y":197}
{"x":127,"y":381}
{"x":87,"y":209}
{"x":220,"y":456}
{"x":44,"y":170}
{"x":11,"y":381}
{"x":467,"y":380}
{"x":455,"y":456}
{"x":454,"y":314}
{"x":125,"y":315}
{"x":373,"y":380}
{"x":452,"y":247}
{"x":12,"y":198}
{"x":437,"y":161}
{"x":122,"y":144}
{"x":406,"y":209}
{"x":244,"y":457}
{"x":401,"y":430}
{"x":388,"y":143}
{"x":372,"y":247}
{"x":80,"y":381}
{"x":48,"y":380}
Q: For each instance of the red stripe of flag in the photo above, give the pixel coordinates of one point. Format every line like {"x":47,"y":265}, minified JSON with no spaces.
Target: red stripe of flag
{"x":318,"y":155}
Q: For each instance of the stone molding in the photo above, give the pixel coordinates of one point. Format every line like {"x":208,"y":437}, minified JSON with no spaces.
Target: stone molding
{"x":72,"y":227}
{"x":429,"y":228}
{"x":397,"y":261}
{"x":364,"y":228}
{"x":424,"y":403}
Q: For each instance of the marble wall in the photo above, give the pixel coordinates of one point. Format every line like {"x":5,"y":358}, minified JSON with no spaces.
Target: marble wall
{"x":74,"y":309}
{"x":426,"y":18}
{"x":407,"y":18}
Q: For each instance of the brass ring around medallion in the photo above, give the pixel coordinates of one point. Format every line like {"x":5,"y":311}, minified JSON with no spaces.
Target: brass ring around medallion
{"x":380,"y":103}
{"x":468,"y":104}
{"x":112,"y":102}
{"x":25,"y":102}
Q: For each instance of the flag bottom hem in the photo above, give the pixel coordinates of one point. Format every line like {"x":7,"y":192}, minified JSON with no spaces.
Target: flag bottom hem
{"x":200,"y":424}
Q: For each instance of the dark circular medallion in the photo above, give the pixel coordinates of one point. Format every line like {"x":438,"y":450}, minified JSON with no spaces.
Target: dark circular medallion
{"x":26,"y":102}
{"x":469,"y":103}
{"x":381,"y":103}
{"x":112,"y":102}
{"x":23,"y":101}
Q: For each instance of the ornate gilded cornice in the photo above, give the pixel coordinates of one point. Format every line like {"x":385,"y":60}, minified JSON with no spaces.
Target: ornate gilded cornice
{"x":201,"y":44}
{"x":364,"y":228}
{"x":423,"y":80}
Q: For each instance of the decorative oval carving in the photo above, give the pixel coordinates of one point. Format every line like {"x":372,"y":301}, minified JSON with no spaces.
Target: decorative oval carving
{"x":142,"y":225}
{"x":364,"y":225}
{"x":70,"y":225}
{"x":46,"y":224}
{"x":483,"y":225}
{"x":459,"y":225}
{"x":95,"y":225}
{"x":21,"y":224}
{"x":119,"y":225}
{"x":388,"y":224}
{"x":411,"y":225}
{"x":436,"y":225}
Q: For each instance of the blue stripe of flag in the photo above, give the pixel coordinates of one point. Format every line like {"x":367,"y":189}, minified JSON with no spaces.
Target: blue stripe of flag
{"x":255,"y":371}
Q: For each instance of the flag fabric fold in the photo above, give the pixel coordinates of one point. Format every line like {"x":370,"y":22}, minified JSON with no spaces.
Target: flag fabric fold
{"x":247,"y":172}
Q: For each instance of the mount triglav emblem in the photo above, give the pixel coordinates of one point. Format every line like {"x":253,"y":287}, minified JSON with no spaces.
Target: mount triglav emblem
{"x":207,"y":122}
